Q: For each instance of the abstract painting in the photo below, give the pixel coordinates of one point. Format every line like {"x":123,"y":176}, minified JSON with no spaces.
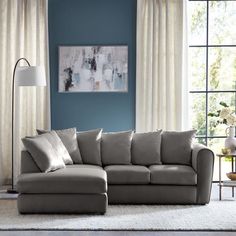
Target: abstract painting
{"x":93,"y":68}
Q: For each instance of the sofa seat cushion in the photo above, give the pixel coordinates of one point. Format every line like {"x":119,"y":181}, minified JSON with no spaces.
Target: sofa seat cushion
{"x":127,"y":174}
{"x":87,"y":179}
{"x":173,"y":175}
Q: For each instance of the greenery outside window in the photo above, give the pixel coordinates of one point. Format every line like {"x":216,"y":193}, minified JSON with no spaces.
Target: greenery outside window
{"x":212,"y":68}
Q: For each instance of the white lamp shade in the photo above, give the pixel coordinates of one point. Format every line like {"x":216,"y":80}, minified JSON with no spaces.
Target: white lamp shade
{"x":30,"y":76}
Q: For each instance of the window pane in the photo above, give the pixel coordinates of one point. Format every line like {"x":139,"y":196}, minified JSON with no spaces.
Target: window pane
{"x":216,"y":144}
{"x":198,"y":68}
{"x":222,"y":18}
{"x":201,"y":140}
{"x":222,"y":68}
{"x":213,"y":106}
{"x":197,"y":19}
{"x":198,"y":113}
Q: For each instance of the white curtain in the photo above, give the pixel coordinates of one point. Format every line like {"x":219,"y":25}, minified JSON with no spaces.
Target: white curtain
{"x":23,"y":33}
{"x":161,"y":74}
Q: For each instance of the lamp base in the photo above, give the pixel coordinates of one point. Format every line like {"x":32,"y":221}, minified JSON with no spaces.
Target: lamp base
{"x":12,"y":191}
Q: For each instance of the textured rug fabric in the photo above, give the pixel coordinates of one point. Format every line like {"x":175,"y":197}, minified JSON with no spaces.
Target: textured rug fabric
{"x":214,"y":216}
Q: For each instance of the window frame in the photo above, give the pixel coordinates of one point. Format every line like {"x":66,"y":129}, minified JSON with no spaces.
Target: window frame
{"x":206,"y":90}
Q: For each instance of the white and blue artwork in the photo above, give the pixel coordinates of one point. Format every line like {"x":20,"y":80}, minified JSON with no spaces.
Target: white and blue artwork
{"x":93,"y":68}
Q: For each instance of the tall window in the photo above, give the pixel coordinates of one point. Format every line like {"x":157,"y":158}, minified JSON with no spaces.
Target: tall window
{"x":212,"y":60}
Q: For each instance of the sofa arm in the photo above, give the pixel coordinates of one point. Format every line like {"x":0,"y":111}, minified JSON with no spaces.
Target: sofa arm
{"x":203,"y":164}
{"x":27,"y":163}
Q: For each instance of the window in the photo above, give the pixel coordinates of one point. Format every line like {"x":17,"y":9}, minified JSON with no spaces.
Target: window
{"x":212,"y":62}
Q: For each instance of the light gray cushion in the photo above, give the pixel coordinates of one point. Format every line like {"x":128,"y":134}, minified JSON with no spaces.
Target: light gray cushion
{"x":173,"y":175}
{"x":146,"y":148}
{"x":69,"y":139}
{"x":42,"y":149}
{"x":176,"y":147}
{"x":72,"y":179}
{"x":127,"y":174}
{"x":89,"y":145}
{"x":116,"y":148}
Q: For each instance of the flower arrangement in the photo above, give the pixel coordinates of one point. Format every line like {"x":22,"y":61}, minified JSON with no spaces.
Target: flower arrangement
{"x":226,"y":115}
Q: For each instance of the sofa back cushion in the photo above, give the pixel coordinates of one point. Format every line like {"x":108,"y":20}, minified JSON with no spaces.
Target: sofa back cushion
{"x":116,"y":148}
{"x":146,"y":148}
{"x":89,"y":145}
{"x":176,"y":147}
{"x":69,"y":139}
{"x":47,"y":151}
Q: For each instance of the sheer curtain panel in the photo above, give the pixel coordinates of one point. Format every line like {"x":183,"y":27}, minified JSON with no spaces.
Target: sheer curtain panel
{"x":23,"y":33}
{"x":161,"y":74}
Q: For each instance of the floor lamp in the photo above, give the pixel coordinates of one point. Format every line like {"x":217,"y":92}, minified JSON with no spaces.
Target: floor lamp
{"x":23,"y":76}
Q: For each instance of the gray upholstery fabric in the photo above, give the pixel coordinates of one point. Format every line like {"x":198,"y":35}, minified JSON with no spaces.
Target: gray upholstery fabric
{"x":146,"y":148}
{"x":58,"y":146}
{"x":42,"y":149}
{"x":89,"y":145}
{"x":151,"y":194}
{"x":69,"y":139}
{"x":173,"y":175}
{"x":62,"y":203}
{"x":116,"y":148}
{"x":28,"y":164}
{"x":127,"y":174}
{"x":203,"y":163}
{"x":176,"y":147}
{"x":79,"y":179}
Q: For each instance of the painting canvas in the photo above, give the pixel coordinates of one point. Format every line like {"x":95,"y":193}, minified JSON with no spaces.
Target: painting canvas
{"x":93,"y":68}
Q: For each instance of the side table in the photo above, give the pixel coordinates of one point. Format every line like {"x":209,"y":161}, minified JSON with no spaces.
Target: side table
{"x":226,"y":183}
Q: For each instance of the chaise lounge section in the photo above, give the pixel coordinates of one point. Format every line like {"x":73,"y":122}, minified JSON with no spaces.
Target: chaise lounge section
{"x":74,"y":189}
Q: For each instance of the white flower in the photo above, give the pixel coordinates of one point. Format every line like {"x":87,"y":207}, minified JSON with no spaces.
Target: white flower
{"x":225,"y":112}
{"x":231,"y":120}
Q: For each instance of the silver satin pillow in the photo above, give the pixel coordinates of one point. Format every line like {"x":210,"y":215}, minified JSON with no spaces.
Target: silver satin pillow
{"x":43,"y":151}
{"x":69,"y":139}
{"x":116,"y":148}
{"x":146,"y":148}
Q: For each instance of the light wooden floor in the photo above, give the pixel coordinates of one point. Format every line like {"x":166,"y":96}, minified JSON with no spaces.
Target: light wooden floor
{"x":226,"y":195}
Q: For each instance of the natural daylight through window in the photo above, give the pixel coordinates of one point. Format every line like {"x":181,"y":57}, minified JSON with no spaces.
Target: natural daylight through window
{"x":212,"y":68}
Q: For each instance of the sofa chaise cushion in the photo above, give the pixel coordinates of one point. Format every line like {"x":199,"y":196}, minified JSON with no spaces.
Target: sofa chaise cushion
{"x":173,"y":175}
{"x":85,"y":179}
{"x":176,"y":147}
{"x":127,"y":174}
{"x":116,"y":148}
{"x":146,"y":148}
{"x":89,"y":145}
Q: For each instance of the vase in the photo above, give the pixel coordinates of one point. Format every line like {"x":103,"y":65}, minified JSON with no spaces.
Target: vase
{"x":230,"y":141}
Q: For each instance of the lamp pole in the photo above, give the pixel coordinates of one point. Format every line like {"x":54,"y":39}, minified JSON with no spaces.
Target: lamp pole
{"x":12,"y":189}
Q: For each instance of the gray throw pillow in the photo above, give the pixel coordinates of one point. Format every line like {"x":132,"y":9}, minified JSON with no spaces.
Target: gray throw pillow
{"x":89,"y":145}
{"x":116,"y":148}
{"x":69,"y":139}
{"x":146,"y":148}
{"x":176,"y":147}
{"x":44,"y":153}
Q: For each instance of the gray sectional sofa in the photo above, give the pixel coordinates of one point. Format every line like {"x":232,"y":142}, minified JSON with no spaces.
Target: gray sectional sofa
{"x":119,"y":168}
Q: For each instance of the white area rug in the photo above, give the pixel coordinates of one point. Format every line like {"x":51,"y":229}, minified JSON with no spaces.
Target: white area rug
{"x":214,"y":216}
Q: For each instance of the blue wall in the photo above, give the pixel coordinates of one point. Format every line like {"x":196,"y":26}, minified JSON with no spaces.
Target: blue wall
{"x":92,"y":22}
